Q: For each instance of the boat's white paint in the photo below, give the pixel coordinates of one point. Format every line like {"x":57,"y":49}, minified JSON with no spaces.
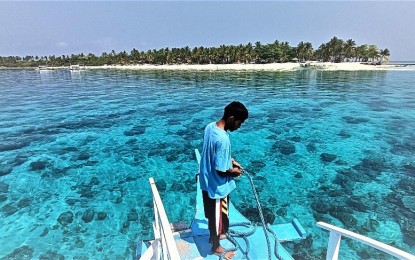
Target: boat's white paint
{"x":162,"y":230}
{"x":336,"y":234}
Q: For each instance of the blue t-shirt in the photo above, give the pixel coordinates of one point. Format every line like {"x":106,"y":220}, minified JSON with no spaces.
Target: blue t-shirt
{"x":216,"y":156}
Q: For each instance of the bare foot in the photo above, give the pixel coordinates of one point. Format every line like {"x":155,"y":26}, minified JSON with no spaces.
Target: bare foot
{"x":228,"y":255}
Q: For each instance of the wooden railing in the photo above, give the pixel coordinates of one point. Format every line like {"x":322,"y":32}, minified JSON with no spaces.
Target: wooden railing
{"x":162,"y":229}
{"x":336,"y":234}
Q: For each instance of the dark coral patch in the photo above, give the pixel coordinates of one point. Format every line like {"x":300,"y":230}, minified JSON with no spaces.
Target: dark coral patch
{"x":23,"y":252}
{"x":341,"y":163}
{"x":172,"y":157}
{"x":161,"y":185}
{"x":357,"y":204}
{"x":327,"y":157}
{"x":94,"y":181}
{"x":346,"y":218}
{"x":38,"y":165}
{"x":408,"y":231}
{"x":255,"y":166}
{"x":311,"y":147}
{"x":177,"y":186}
{"x":132,"y":215}
{"x":355,"y":120}
{"x":8,"y":209}
{"x":13,"y":146}
{"x":131,"y":141}
{"x":85,"y":189}
{"x":83,"y":156}
{"x":409,"y":169}
{"x":51,"y":255}
{"x":253,"y":215}
{"x":320,"y":207}
{"x":70,"y":201}
{"x":44,"y":232}
{"x":66,"y":218}
{"x":371,"y":166}
{"x":25,"y":202}
{"x":174,"y":121}
{"x":136,"y":130}
{"x":74,"y":125}
{"x":101,"y":215}
{"x":70,"y":149}
{"x":371,"y":225}
{"x":5,"y":169}
{"x":282,"y":212}
{"x":344,"y":134}
{"x":4,"y":187}
{"x":3,"y":198}
{"x":346,"y":177}
{"x":88,"y":215}
{"x":298,"y":175}
{"x":285,"y":147}
{"x":20,"y":159}
{"x":296,"y":139}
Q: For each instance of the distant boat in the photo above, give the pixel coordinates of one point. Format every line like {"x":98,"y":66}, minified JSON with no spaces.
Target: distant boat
{"x":305,"y":64}
{"x":43,"y":68}
{"x":77,"y":67}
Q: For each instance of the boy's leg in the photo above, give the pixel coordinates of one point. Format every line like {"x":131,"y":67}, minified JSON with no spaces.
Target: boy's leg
{"x":222,"y":213}
{"x":209,"y":205}
{"x":217,"y":214}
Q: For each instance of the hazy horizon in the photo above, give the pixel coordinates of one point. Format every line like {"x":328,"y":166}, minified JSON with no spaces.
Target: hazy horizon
{"x":64,"y":28}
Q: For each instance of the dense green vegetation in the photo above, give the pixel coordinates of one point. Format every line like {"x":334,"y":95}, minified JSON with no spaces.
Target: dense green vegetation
{"x":336,"y":50}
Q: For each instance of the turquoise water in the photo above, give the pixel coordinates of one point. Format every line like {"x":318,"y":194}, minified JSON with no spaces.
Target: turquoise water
{"x":77,"y":149}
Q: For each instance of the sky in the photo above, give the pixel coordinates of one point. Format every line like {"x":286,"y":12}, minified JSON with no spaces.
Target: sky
{"x":65,"y":27}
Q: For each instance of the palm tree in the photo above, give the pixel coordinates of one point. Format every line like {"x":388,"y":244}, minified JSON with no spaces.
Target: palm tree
{"x":135,"y":55}
{"x":350,"y":49}
{"x":258,"y":52}
{"x":286,"y":52}
{"x":308,"y":51}
{"x":335,"y":49}
{"x":322,"y":53}
{"x":276,"y":51}
{"x":362,"y":53}
{"x":300,"y":51}
{"x":384,"y":55}
{"x":373,"y":52}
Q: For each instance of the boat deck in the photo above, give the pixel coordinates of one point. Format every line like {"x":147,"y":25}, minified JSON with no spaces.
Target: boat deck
{"x":193,"y":243}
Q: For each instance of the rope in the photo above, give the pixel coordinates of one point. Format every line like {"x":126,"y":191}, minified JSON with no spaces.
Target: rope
{"x":261,"y":215}
{"x":231,"y":233}
{"x":244,"y":235}
{"x":276,"y":242}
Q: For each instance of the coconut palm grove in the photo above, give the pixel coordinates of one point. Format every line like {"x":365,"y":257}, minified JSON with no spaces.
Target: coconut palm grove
{"x":336,"y":50}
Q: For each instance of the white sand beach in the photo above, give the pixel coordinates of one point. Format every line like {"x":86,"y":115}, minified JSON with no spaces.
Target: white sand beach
{"x":345,"y":66}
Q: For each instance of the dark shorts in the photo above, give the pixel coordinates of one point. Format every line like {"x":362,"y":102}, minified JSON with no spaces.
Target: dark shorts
{"x":216,"y":211}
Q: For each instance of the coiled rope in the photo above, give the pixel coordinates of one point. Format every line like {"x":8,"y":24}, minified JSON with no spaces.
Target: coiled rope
{"x":243,"y":235}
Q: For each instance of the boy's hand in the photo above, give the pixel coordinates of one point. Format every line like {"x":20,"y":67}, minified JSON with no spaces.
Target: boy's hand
{"x":236,"y":164}
{"x":237,"y":171}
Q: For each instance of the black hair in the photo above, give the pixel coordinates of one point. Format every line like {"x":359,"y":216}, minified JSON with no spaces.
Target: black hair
{"x":237,"y":110}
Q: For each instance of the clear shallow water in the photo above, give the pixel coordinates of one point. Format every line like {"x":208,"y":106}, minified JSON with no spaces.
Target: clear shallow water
{"x":77,"y":149}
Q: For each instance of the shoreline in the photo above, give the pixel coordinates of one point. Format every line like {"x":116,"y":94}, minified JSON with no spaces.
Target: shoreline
{"x":327,"y":66}
{"x":324,"y":66}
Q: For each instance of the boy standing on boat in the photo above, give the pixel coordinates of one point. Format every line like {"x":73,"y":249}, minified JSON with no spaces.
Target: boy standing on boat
{"x":217,"y":172}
